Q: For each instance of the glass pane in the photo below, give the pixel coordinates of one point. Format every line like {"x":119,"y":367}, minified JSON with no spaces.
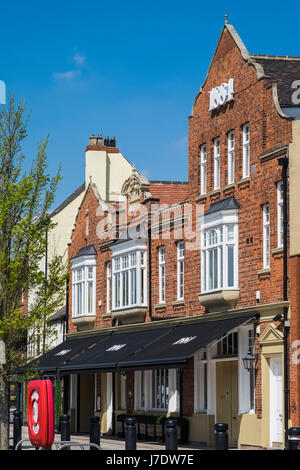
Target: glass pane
{"x":133,"y":286}
{"x":230,"y":273}
{"x":90,"y":297}
{"x":117,"y":290}
{"x":125,"y":288}
{"x":142,"y":286}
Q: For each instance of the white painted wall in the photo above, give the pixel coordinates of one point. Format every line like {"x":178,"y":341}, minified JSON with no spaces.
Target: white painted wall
{"x":108,"y":171}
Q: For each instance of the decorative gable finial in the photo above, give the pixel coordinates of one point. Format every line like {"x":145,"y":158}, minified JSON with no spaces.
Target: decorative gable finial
{"x":226,"y":17}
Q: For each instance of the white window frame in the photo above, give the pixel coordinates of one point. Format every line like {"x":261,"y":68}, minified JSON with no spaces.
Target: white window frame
{"x":217,"y":154}
{"x":140,"y":389}
{"x":203,"y":169}
{"x":246,"y":150}
{"x":280,"y":214}
{"x":123,"y":391}
{"x":162,"y":274}
{"x":180,"y":270}
{"x":223,"y":253}
{"x":128,"y":257}
{"x":266,"y":236}
{"x":200,"y":382}
{"x":87,"y":266}
{"x":147,"y":404}
{"x":108,"y":286}
{"x":231,"y":156}
{"x":244,"y":379}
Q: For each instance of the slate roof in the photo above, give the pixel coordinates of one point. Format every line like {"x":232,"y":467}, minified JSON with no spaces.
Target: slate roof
{"x":59,"y":315}
{"x":283,"y":71}
{"x":89,"y":250}
{"x":224,"y":204}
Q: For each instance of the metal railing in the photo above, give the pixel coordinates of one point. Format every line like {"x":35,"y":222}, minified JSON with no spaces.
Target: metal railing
{"x":61,"y":445}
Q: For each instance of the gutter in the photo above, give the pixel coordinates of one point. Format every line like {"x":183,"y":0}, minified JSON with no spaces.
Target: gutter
{"x":284,"y":162}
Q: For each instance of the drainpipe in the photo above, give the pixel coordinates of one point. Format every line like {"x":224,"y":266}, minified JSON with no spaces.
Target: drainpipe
{"x":283,"y":162}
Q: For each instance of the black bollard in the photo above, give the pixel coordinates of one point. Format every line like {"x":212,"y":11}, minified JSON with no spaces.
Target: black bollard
{"x":94,"y":431}
{"x":293,"y":438}
{"x":171,"y":434}
{"x":221,"y":436}
{"x":130,"y":430}
{"x":17,"y":428}
{"x":65,"y":429}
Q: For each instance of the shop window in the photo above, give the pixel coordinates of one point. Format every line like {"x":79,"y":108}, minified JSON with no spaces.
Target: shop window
{"x":228,"y":346}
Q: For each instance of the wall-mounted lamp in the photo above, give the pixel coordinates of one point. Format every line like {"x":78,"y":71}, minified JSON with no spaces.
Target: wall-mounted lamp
{"x":249,"y":361}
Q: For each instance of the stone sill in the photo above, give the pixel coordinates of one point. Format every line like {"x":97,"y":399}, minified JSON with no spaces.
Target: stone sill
{"x":244,"y":181}
{"x":229,"y":187}
{"x":178,"y":302}
{"x":214,"y":193}
{"x":264,"y":272}
{"x":202,"y":197}
{"x":160,"y":306}
{"x":277,"y":251}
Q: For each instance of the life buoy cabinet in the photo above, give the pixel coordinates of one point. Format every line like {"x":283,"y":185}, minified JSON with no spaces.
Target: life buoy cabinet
{"x":40,"y":413}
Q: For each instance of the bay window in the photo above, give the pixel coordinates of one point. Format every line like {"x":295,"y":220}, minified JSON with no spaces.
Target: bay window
{"x":84,"y":286}
{"x":219,"y":252}
{"x":129,"y":278}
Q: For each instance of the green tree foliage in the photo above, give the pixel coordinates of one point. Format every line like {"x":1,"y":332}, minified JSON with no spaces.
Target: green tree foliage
{"x":27,"y":192}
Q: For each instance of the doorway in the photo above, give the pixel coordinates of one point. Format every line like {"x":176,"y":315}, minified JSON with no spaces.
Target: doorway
{"x":276,"y":402}
{"x":227,"y":398}
{"x":86,"y":401}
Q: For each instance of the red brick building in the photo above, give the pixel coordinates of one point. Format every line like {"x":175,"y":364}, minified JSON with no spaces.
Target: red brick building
{"x":183,"y":301}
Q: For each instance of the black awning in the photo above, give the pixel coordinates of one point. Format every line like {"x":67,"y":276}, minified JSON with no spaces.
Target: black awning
{"x":149,"y":348}
{"x":63,"y":353}
{"x":107,"y":354}
{"x":182,"y":341}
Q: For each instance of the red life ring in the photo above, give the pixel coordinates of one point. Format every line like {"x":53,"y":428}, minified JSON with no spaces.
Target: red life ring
{"x":40,"y":413}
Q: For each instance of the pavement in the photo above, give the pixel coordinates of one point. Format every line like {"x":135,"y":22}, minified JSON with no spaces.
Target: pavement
{"x":106,"y":443}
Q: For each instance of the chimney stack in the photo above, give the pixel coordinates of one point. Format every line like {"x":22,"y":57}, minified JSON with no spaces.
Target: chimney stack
{"x":112,"y":142}
{"x":99,"y":139}
{"x":106,"y":141}
{"x":92,"y":139}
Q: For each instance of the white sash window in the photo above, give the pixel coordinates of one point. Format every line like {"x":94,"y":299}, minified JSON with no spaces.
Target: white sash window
{"x":217,"y":163}
{"x":231,"y":146}
{"x":246,"y":150}
{"x":84,"y":286}
{"x":203,"y":169}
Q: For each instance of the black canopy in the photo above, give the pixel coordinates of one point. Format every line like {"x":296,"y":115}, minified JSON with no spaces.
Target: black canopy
{"x":147,"y":348}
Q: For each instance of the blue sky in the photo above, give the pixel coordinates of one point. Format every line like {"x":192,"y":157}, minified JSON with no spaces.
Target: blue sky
{"x":129,"y":69}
